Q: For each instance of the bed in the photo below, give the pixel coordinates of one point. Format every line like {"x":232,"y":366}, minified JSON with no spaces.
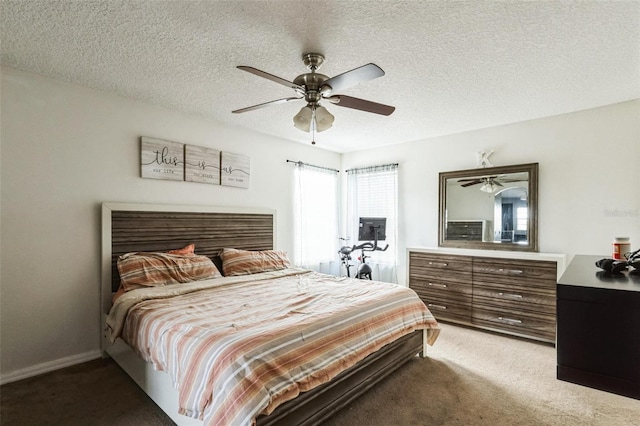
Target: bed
{"x":129,"y":228}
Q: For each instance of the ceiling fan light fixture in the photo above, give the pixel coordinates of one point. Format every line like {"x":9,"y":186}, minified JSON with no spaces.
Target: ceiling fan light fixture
{"x":488,"y":187}
{"x":302,"y":120}
{"x":313,"y":117}
{"x":324,"y":119}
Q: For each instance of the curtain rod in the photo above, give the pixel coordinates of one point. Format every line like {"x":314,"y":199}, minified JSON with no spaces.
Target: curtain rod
{"x":300,"y":163}
{"x":372,"y":167}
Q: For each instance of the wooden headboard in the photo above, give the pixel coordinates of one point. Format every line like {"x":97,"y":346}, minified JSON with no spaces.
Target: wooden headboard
{"x":153,"y":227}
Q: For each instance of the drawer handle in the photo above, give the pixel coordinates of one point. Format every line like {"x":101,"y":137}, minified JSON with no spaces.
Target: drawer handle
{"x":431,"y":305}
{"x":511,"y":271}
{"x":444,"y":265}
{"x":510,"y":320}
{"x":437,"y":285}
{"x":511,"y":296}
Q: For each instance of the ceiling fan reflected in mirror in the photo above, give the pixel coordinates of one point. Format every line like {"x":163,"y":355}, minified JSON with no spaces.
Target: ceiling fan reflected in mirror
{"x":489,"y":183}
{"x":313,"y":87}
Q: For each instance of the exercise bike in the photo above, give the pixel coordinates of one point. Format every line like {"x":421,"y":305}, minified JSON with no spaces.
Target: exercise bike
{"x":364,"y":271}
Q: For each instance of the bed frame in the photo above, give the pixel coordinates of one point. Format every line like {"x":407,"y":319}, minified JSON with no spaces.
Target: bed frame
{"x":153,"y":227}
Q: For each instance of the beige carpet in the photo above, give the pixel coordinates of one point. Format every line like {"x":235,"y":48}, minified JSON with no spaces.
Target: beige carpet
{"x":479,"y":378}
{"x":470,"y":378}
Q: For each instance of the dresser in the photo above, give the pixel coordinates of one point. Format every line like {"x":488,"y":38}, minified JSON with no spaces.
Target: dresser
{"x":507,"y":292}
{"x":598,"y":341}
{"x":466,"y":230}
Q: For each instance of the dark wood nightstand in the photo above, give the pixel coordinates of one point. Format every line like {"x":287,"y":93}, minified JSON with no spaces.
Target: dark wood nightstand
{"x":598,"y":328}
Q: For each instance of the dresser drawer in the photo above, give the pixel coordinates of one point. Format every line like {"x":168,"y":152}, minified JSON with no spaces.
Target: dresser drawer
{"x":515,"y":288}
{"x":513,"y":298}
{"x":456,"y":309}
{"x":438,"y":263}
{"x":524,"y":273}
{"x":441,"y":288}
{"x":520,"y":322}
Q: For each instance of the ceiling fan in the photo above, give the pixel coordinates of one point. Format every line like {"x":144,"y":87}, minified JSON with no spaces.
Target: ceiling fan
{"x":313,"y":88}
{"x":489,"y":183}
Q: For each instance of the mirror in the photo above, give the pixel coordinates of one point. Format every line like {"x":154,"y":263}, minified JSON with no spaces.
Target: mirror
{"x":494,"y":208}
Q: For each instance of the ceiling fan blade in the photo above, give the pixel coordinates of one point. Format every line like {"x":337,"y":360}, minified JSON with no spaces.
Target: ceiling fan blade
{"x":475,"y":182}
{"x":271,"y":77}
{"x":351,"y":78}
{"x":495,"y":182}
{"x":266,"y":104}
{"x":361,"y":104}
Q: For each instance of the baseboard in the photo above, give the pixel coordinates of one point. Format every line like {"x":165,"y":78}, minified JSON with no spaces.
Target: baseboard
{"x":45,"y":367}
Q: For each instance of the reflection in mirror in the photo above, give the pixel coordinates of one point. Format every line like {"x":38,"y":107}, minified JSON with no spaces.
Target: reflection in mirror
{"x":491,"y":208}
{"x":510,"y":216}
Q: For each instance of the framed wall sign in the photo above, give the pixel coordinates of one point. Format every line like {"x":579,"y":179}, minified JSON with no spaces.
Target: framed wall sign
{"x":201,"y":164}
{"x":235,"y":170}
{"x":161,"y":159}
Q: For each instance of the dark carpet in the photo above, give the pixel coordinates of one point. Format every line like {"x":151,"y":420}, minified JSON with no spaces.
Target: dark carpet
{"x":96,"y":393}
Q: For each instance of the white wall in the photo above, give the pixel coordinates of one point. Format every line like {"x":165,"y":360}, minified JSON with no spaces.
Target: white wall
{"x":65,"y":150}
{"x":589,"y":184}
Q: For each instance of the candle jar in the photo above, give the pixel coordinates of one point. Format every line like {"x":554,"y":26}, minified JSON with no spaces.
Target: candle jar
{"x":621,"y":245}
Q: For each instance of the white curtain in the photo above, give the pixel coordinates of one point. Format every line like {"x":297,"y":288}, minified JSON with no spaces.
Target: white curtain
{"x":316,"y":218}
{"x":373,"y":192}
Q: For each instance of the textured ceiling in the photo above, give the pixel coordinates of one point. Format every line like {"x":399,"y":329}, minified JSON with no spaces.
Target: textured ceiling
{"x":450,"y":66}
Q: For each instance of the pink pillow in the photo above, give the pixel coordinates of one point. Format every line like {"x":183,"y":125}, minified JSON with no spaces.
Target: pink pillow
{"x":187,"y":250}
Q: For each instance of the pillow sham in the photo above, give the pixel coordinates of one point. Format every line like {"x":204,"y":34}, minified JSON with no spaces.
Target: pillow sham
{"x":245,"y":262}
{"x":158,"y":269}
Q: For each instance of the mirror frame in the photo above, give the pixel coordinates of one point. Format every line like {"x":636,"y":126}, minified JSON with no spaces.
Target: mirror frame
{"x":531,"y":169}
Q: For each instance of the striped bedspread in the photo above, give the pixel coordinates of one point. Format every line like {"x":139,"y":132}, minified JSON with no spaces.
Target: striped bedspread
{"x":237,"y":347}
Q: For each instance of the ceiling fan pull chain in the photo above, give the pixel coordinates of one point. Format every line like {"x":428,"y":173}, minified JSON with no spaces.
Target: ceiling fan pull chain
{"x":313,"y":125}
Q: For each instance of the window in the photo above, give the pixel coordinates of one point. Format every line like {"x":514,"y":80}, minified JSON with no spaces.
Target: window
{"x":316,"y":218}
{"x":522,"y":217}
{"x":373,"y":192}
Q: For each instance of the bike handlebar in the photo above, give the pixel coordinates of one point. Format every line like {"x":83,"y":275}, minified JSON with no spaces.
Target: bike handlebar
{"x":369,"y":247}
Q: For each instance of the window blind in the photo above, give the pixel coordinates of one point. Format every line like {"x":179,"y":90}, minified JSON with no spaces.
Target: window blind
{"x":373,"y":192}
